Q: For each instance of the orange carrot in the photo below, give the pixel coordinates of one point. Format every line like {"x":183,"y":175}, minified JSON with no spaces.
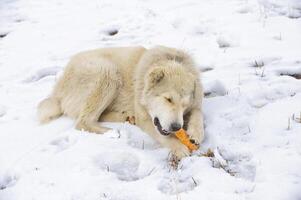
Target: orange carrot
{"x":184,"y":139}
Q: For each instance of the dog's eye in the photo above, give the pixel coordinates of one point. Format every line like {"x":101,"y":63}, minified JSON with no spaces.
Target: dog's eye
{"x":168,"y":99}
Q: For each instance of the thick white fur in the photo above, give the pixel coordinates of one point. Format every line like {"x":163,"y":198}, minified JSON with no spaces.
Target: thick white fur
{"x":112,"y":84}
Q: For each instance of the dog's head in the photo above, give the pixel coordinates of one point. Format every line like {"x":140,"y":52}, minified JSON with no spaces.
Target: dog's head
{"x":169,"y":93}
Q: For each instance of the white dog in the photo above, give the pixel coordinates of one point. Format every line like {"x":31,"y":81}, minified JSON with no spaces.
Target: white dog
{"x":158,"y":87}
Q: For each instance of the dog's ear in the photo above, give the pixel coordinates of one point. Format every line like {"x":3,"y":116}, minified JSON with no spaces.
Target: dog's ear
{"x":155,"y":76}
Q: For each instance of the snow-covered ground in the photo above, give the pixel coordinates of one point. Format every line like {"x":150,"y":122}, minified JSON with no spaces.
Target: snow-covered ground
{"x":250,"y":52}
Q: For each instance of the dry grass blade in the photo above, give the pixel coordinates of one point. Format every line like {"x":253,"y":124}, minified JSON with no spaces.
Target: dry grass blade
{"x":209,"y":153}
{"x":217,"y":160}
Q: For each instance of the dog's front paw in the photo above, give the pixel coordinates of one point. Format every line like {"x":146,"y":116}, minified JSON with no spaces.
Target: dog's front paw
{"x":196,"y":137}
{"x":195,"y":141}
{"x":180,"y":151}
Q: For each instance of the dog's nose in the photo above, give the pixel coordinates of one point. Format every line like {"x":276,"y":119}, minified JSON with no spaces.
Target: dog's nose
{"x":175,"y":126}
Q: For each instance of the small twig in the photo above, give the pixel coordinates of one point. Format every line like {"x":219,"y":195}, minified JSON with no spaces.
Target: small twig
{"x":151,"y":171}
{"x":296,"y":119}
{"x":256,"y":64}
{"x":262,"y":73}
{"x":180,"y":166}
{"x":209,"y":153}
{"x":118,"y":132}
{"x":195,"y":183}
{"x":289,"y":124}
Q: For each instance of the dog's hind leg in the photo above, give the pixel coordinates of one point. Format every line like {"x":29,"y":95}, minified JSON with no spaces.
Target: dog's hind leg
{"x":105,"y":91}
{"x":49,"y":109}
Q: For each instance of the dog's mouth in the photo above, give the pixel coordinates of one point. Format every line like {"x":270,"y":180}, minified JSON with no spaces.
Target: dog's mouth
{"x":159,"y":127}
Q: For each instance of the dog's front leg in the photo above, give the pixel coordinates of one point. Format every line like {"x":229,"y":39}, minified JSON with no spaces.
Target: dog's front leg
{"x":195,"y":127}
{"x":170,"y":142}
{"x":177,"y":148}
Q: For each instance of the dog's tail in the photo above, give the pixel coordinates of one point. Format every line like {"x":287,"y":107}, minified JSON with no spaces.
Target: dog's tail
{"x":49,"y":109}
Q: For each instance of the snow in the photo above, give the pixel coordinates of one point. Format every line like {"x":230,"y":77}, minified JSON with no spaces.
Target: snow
{"x":250,"y":55}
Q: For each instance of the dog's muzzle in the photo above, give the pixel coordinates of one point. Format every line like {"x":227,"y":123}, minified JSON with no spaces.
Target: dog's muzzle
{"x":159,"y":127}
